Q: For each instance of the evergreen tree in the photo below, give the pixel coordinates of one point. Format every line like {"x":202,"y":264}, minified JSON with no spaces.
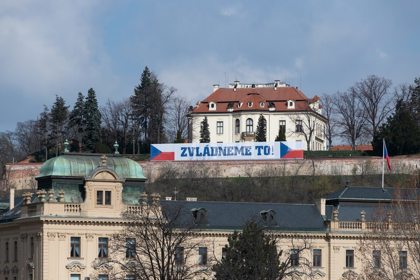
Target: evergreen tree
{"x":92,"y":121}
{"x":43,"y":130}
{"x":204,"y":131}
{"x":282,"y":134}
{"x":250,"y":255}
{"x":76,"y":118}
{"x":58,"y":120}
{"x":148,"y":103}
{"x":261,"y":134}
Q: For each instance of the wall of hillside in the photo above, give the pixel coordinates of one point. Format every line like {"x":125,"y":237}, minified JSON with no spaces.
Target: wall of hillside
{"x":22,"y":175}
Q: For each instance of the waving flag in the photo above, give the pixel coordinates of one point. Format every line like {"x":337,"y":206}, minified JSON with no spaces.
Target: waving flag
{"x":386,"y":156}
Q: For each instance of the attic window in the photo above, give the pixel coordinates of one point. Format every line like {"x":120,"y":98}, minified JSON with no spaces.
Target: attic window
{"x":290,"y":104}
{"x":250,"y":104}
{"x":262,"y":104}
{"x":212,"y":106}
{"x":268,"y":216}
{"x":239,"y":104}
{"x":199,"y":215}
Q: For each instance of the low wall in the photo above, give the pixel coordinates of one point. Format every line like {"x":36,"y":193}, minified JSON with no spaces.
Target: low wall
{"x":21,"y":176}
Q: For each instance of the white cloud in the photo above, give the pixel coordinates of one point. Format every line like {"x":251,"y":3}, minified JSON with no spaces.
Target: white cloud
{"x":230,"y":11}
{"x":194,"y":77}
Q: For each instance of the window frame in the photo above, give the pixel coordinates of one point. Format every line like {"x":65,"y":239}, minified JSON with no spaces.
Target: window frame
{"x":179,"y":256}
{"x":376,"y":259}
{"x":103,"y":197}
{"x":75,"y":247}
{"x":317,"y":257}
{"x":294,"y":257}
{"x":349,"y":258}
{"x":202,"y":255}
{"x":299,"y":126}
{"x":130,"y":249}
{"x":237,"y":126}
{"x":249,"y":125}
{"x":403,"y":259}
{"x":219,"y":127}
{"x":103,"y":247}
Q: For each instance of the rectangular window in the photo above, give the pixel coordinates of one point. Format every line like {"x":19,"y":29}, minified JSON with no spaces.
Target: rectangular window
{"x":130,"y":277}
{"x":103,"y":277}
{"x":282,"y":125}
{"x":349,"y":258}
{"x":376,"y":255}
{"x":102,"y":247}
{"x":99,"y":197}
{"x":294,"y":257}
{"x":202,"y":255}
{"x":219,"y":127}
{"x":130,"y":249}
{"x":75,"y":277}
{"x":15,"y":251}
{"x":7,"y":251}
{"x":299,"y":127}
{"x":403,"y":259}
{"x":317,"y":257}
{"x":224,"y":252}
{"x":75,"y":247}
{"x":237,"y":126}
{"x":107,"y":197}
{"x":179,"y":255}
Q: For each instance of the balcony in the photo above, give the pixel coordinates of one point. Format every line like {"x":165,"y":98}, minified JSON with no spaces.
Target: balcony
{"x":248,"y":136}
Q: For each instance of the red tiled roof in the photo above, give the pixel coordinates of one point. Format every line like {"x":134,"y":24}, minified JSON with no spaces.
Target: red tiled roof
{"x":224,"y":97}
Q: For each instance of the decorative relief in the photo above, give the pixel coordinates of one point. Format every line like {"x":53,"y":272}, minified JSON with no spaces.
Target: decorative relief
{"x":350,"y":274}
{"x":101,"y":265}
{"x":336,"y":249}
{"x":38,"y":235}
{"x":51,"y":235}
{"x":23,"y":236}
{"x":89,"y":236}
{"x":31,"y":266}
{"x":61,"y":236}
{"x":75,"y":266}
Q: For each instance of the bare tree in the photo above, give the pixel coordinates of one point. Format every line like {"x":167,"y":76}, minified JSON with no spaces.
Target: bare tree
{"x":375,"y":99}
{"x":391,"y":250}
{"x":116,"y":120}
{"x":328,"y":112}
{"x":155,"y":244}
{"x":305,"y":125}
{"x":351,"y":118}
{"x":177,"y":118}
{"x":27,"y":136}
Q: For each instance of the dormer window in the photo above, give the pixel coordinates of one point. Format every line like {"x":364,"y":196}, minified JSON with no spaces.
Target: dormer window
{"x":239,"y":104}
{"x":290,"y":104}
{"x":262,"y":104}
{"x":250,"y":104}
{"x":267,"y":217}
{"x":199,"y":215}
{"x":212,"y":106}
{"x":103,"y":197}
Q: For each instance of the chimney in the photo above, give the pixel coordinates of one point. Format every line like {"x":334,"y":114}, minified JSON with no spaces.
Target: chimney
{"x":321,"y":206}
{"x":12,"y":199}
{"x":215,"y":87}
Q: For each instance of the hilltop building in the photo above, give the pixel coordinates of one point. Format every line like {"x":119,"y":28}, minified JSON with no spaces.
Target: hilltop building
{"x":233,"y":114}
{"x":63,"y":231}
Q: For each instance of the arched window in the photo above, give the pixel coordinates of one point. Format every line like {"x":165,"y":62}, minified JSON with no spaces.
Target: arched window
{"x":237,"y":126}
{"x":249,"y":126}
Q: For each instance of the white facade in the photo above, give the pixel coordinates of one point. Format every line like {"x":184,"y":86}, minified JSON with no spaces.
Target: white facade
{"x":238,"y":121}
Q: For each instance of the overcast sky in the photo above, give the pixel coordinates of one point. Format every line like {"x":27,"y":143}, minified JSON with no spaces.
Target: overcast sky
{"x":55,"y":47}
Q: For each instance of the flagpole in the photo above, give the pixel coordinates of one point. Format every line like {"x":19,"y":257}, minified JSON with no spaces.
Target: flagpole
{"x":383,"y":162}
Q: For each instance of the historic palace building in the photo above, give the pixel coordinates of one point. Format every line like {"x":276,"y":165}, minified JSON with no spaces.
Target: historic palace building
{"x":233,"y":112}
{"x":64,"y":230}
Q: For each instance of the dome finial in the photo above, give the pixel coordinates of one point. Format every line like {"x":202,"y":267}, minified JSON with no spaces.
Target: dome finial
{"x":116,"y":147}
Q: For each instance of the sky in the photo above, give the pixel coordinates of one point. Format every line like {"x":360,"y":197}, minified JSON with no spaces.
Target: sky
{"x":58,"y":47}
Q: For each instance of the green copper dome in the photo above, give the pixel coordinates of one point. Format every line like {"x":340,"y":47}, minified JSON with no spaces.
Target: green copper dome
{"x":81,"y":165}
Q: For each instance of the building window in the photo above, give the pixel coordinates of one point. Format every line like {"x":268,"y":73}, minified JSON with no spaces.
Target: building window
{"x":403,"y":259}
{"x":130,"y":250}
{"x":290,"y":104}
{"x":299,"y":127}
{"x":294,"y":257}
{"x":30,"y":276}
{"x":103,"y":197}
{"x":262,"y":104}
{"x":130,"y":277}
{"x":202,"y":255}
{"x":376,"y":258}
{"x":237,"y":126}
{"x":103,"y":277}
{"x":15,"y":251}
{"x":349,"y":258}
{"x":102,"y":247}
{"x":31,"y":247}
{"x":7,"y":251}
{"x":282,"y":126}
{"x":224,"y":252}
{"x":179,"y":255}
{"x":317,"y":257}
{"x":75,"y":247}
{"x":249,"y":126}
{"x":219,"y":127}
{"x":212,"y":106}
{"x":250,"y":104}
{"x":75,"y":277}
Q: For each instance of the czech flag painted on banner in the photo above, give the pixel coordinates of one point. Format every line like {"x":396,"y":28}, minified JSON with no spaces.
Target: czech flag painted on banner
{"x":386,"y":156}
